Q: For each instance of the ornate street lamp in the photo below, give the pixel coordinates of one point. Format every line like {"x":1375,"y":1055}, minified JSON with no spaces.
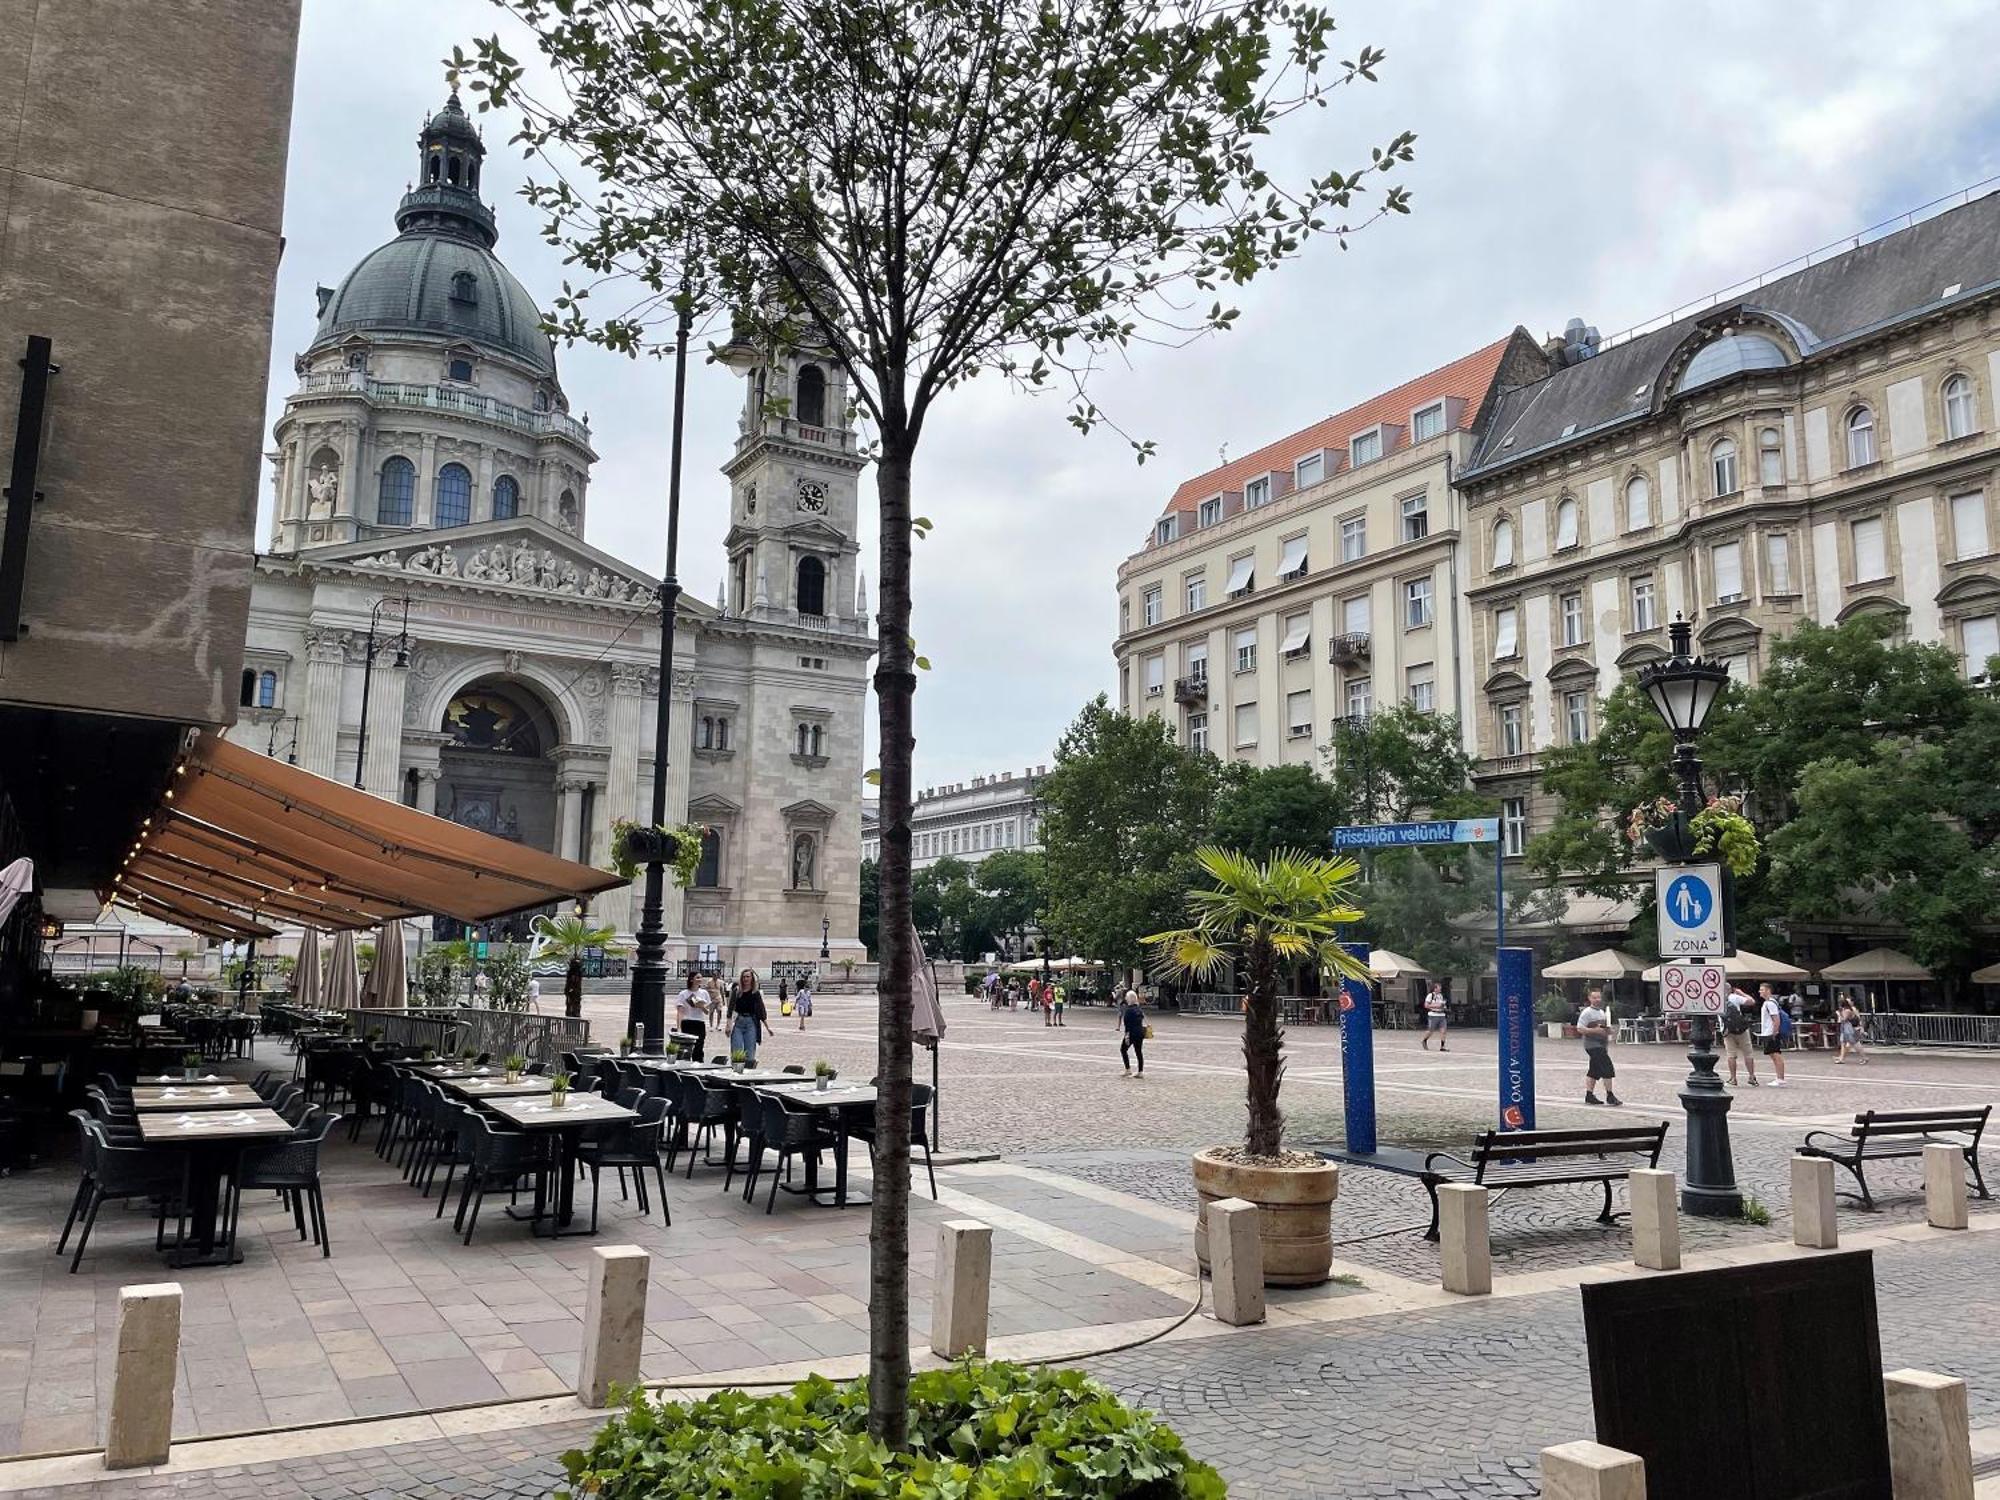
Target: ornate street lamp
{"x":402,"y":643}
{"x":1683,"y":688}
{"x":825,"y":929}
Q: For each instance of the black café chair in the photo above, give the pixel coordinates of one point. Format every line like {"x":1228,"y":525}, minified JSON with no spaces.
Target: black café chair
{"x":502,"y":1160}
{"x":920,"y":1129}
{"x":124,"y":1172}
{"x":291,"y":1168}
{"x":709,"y":1106}
{"x":787,"y":1132}
{"x":623,"y":1145}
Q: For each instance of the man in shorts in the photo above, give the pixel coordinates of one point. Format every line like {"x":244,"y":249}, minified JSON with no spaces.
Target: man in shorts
{"x":1593,"y":1024}
{"x":1436,"y":1023}
{"x":1738,"y":1019}
{"x":1771,"y":1032}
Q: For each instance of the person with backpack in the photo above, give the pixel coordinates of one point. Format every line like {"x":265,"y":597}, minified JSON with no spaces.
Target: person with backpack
{"x":1736,"y":1024}
{"x":1436,"y":1020}
{"x":1774,"y":1025}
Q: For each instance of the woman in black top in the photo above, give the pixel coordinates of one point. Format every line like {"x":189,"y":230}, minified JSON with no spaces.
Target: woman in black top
{"x":1133,"y":1019}
{"x":749,"y":1023}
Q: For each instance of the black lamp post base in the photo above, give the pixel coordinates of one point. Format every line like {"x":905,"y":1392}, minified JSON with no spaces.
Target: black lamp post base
{"x":1709,"y":1190}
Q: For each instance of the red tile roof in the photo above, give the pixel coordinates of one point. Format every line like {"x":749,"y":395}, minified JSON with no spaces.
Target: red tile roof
{"x":1466,"y":378}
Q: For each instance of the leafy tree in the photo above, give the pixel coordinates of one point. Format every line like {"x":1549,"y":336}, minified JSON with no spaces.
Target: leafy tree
{"x":570,"y":938}
{"x":1399,"y":764}
{"x":926,"y":191}
{"x":950,"y":910}
{"x":1123,"y":811}
{"x":869,"y":925}
{"x":1262,"y":810}
{"x":1015,"y":885}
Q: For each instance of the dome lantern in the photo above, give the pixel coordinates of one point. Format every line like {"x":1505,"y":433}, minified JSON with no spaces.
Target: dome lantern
{"x":446,"y":198}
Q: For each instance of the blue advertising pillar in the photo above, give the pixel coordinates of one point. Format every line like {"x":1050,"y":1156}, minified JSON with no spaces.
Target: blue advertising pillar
{"x":1517,"y":1038}
{"x":1357,"y":1055}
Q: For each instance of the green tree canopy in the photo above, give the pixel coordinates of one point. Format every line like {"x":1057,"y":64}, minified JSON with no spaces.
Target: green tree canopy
{"x":1259,"y":811}
{"x":1015,"y":885}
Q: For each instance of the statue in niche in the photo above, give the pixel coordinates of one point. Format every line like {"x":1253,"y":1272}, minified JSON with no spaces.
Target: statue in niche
{"x":322,"y":490}
{"x":802,"y":862}
{"x":510,"y":828}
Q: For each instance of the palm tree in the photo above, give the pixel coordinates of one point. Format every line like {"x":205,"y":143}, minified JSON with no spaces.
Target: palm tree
{"x":569,"y":938}
{"x":1288,"y":909}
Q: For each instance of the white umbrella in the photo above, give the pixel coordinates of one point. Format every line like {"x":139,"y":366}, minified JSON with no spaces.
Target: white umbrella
{"x":305,"y":974}
{"x":390,"y":978}
{"x":1988,"y":975}
{"x":926,"y":1015}
{"x":1744,"y":965}
{"x":1386,"y":965}
{"x":1880,"y":964}
{"x":15,"y":882}
{"x":343,"y":974}
{"x":1605,"y":963}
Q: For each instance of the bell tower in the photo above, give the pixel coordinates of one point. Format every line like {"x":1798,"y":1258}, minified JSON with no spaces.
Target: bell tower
{"x":445,"y":199}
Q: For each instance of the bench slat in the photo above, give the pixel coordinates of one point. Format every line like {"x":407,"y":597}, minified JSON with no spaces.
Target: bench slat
{"x":1501,"y":1151}
{"x":1516,"y":1139}
{"x":1878,"y":1120}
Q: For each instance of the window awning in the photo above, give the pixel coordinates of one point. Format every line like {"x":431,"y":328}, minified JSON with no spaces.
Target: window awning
{"x":241,"y":841}
{"x":1239,"y":574}
{"x":1296,"y":632}
{"x":1293,"y":558}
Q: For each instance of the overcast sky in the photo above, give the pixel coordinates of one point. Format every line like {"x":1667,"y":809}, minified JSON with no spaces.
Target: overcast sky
{"x":1573,"y":158}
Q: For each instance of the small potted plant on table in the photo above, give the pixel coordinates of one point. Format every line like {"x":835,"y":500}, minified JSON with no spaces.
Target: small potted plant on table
{"x":823,"y":1074}
{"x":514,"y":1065}
{"x":626,"y":1044}
{"x":739,"y":1059}
{"x":190,"y":1066}
{"x":559,"y":1090}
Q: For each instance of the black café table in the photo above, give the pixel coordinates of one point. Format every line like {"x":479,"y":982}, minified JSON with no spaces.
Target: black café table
{"x":223,"y":1094}
{"x":567,"y":1123}
{"x":496,"y":1086}
{"x":840,"y":1102}
{"x":211,"y":1142}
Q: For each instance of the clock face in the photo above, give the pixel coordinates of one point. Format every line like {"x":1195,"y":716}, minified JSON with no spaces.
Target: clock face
{"x":812,"y":497}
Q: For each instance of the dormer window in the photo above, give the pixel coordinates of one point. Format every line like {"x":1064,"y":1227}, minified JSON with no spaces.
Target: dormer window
{"x":459,"y":370}
{"x":1166,"y":529}
{"x":1427,"y":422}
{"x":1257,"y":492}
{"x":1210,"y":511}
{"x":1309,"y":470}
{"x":465,"y":289}
{"x":1364,"y":448}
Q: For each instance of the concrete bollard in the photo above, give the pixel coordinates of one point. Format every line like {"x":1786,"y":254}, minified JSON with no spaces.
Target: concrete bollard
{"x":1814,"y":1223}
{"x":1656,"y":1220}
{"x":961,"y":1288}
{"x":1944,"y":1186}
{"x":1591,"y":1471}
{"x":141,"y":1428}
{"x":1236,"y":1259}
{"x":1930,"y":1436}
{"x":614,"y":1322}
{"x":1462,"y":1239}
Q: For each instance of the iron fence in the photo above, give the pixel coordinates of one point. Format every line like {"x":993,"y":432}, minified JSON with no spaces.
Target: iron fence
{"x":503,"y":1033}
{"x":1932,"y":1029}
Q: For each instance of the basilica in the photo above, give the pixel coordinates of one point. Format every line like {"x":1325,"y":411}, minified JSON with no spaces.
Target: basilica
{"x":430,"y":622}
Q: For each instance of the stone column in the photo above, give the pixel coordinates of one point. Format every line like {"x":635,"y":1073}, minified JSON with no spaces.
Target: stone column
{"x":961,"y":1288}
{"x":1464,"y":1246}
{"x":348,"y":502}
{"x":385,"y":724}
{"x":319,"y":720}
{"x":1930,"y":1436}
{"x":427,"y":789}
{"x":569,"y":816}
{"x":426,"y":480}
{"x":1591,"y":1471}
{"x":621,"y":793}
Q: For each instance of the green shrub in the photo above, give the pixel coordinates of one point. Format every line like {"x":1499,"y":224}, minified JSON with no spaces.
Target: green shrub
{"x":977,"y":1432}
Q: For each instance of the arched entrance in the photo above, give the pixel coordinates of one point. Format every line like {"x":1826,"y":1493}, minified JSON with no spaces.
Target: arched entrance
{"x":496,"y":774}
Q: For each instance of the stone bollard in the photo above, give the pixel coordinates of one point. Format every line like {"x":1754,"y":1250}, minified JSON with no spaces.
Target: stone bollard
{"x":961,"y":1288}
{"x":614,"y":1322}
{"x":1462,"y":1239}
{"x":1656,"y":1220}
{"x":141,"y":1428}
{"x":1814,"y":1223}
{"x":1591,"y":1471}
{"x":1944,"y":1186}
{"x":1236,"y":1259}
{"x":1930,"y":1436}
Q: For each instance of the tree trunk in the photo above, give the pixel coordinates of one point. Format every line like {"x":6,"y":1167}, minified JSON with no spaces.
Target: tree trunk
{"x":1262,"y":1046}
{"x":889,"y":1217}
{"x":573,"y":987}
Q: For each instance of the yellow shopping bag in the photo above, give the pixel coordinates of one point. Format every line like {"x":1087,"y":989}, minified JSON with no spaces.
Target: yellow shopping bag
{"x":785,"y":1009}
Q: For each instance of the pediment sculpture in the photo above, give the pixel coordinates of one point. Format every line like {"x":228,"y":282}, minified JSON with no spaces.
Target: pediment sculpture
{"x":517,"y":564}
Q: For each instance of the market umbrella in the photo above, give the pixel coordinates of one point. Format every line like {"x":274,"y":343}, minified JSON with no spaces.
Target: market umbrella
{"x":1605,"y":963}
{"x":305,"y":975}
{"x":926,"y":1015}
{"x":1883,"y":965}
{"x":15,"y":882}
{"x":343,"y":974}
{"x":1988,"y":975}
{"x":1386,"y":965}
{"x":390,"y":978}
{"x":1744,"y":964}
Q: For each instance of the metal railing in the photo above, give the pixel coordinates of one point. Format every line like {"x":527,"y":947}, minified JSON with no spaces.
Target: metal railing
{"x":1293,"y":1010}
{"x":503,"y":1033}
{"x":445,"y":398}
{"x":1917,"y":1028}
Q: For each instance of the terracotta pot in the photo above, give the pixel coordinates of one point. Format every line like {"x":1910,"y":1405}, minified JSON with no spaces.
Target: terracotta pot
{"x":1294,"y":1219}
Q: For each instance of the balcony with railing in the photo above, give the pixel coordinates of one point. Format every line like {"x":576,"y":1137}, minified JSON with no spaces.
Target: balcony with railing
{"x":1192,"y":690}
{"x":1347,"y":650}
{"x":445,"y":398}
{"x":788,"y":429}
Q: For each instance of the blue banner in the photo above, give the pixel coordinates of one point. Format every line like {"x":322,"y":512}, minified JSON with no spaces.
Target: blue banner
{"x":1357,"y":1055}
{"x":1517,"y":1038}
{"x":1399,"y":835}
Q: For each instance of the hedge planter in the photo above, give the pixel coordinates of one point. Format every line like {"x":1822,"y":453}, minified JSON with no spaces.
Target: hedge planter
{"x":1295,"y":1211}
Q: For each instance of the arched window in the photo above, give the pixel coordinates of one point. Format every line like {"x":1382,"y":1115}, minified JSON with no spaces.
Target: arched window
{"x":1770,"y":457}
{"x":459,"y":370}
{"x":817,"y":744}
{"x":451,"y":172}
{"x":812,"y":396}
{"x":1638,"y":503}
{"x":247,"y":695}
{"x":1566,"y":534}
{"x":708,"y":873}
{"x":267,"y":689}
{"x":802,"y":740}
{"x":506,"y":498}
{"x":437,"y":168}
{"x":396,"y":503}
{"x":566,"y":512}
{"x":1722,"y":468}
{"x":1503,"y":543}
{"x":454,"y":496}
{"x":706,"y":739}
{"x":1959,"y":419}
{"x":810,"y":597}
{"x":1860,"y":437}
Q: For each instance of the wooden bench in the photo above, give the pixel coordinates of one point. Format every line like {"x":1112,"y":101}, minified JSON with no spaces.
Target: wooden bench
{"x":1546,"y":1158}
{"x":1879,"y":1135}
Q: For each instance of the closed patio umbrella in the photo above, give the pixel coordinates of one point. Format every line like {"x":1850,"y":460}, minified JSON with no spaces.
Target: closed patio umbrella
{"x":1880,"y":965}
{"x":305,"y":976}
{"x":1605,"y":963}
{"x":390,"y":978}
{"x":343,"y":975}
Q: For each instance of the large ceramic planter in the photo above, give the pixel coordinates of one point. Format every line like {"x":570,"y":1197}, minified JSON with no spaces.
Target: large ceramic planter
{"x":1294,"y":1214}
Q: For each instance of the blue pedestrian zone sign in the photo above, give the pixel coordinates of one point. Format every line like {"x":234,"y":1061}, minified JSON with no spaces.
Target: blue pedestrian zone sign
{"x":1689,"y":898}
{"x":1689,"y":901}
{"x":1400,"y":835}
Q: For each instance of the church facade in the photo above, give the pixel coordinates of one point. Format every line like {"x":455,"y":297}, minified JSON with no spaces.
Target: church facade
{"x":431,"y":624}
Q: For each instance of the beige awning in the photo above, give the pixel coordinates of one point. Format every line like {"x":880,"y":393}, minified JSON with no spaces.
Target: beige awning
{"x":1744,"y":964}
{"x":1879,"y":964}
{"x":1383,"y":964}
{"x":242,"y":840}
{"x":1605,"y":963}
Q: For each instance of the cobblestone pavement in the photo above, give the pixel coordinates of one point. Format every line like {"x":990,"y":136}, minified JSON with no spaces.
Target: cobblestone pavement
{"x":1454,"y":1401}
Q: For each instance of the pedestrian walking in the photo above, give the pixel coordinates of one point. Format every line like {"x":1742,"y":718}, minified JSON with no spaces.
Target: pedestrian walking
{"x":691,"y":1012}
{"x":1593,"y":1024}
{"x":1850,"y":1031}
{"x":784,"y":998}
{"x":1773,"y":1026}
{"x":1049,"y":1003}
{"x":1739,"y":1019}
{"x":803,"y":1002}
{"x":1436,"y":1023}
{"x":1062,"y":1001}
{"x":749,"y":1021}
{"x":1132,"y":1021}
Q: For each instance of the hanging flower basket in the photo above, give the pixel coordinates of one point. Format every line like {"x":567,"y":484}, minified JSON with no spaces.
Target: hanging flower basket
{"x":636,"y":845}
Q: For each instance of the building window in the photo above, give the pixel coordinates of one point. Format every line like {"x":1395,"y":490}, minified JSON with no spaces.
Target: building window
{"x":812,"y":396}
{"x":1309,"y":470}
{"x":810,"y":739}
{"x":1299,"y":715}
{"x":809,"y":587}
{"x":1770,"y":457}
{"x":1364,"y":448}
{"x":1194,"y":662}
{"x":1513,"y":826}
{"x":1208,"y":512}
{"x":1980,"y":637}
{"x":1737,"y":664}
{"x":1197,"y":591}
{"x":1572,"y":619}
{"x":1422,"y":688}
{"x":1566,"y":527}
{"x":1968,"y":525}
{"x":1506,"y":632}
{"x":1354,"y":616}
{"x":1242,"y":575}
{"x":1427,"y":423}
{"x":1576,"y":716}
{"x":246,"y":691}
{"x":1722,"y":468}
{"x":1155,"y":670}
{"x":1246,"y":650}
{"x":1860,"y":437}
{"x":465,"y":288}
{"x":1292,"y":557}
{"x":1167,"y":529}
{"x":805,"y":862}
{"x":1871,"y":560}
{"x":1151,"y":605}
{"x":395,"y":503}
{"x":459,"y":370}
{"x":1359,"y":697}
{"x":267,"y":689}
{"x":1645,"y":616}
{"x":1959,"y":420}
{"x":1725,"y":564}
{"x":1503,"y":543}
{"x":712,"y":733}
{"x":1417,"y":602}
{"x":506,"y":498}
{"x":708,"y":873}
{"x":1353,"y":539}
{"x":1416,"y":517}
{"x":454,"y":496}
{"x":1298,"y":633}
{"x":1638,"y":503}
{"x":1246,"y":725}
{"x":1197,"y":725}
{"x":1778,"y":563}
{"x":1257,"y":493}
{"x":1511,"y":738}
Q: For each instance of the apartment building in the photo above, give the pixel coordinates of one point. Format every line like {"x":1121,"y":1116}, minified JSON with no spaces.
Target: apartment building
{"x":966,"y":820}
{"x":1823,"y":444}
{"x":1316,"y":577}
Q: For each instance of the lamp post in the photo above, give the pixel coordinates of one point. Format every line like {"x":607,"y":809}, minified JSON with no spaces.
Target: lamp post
{"x":1682,"y":689}
{"x":648,"y":1008}
{"x":825,"y":929}
{"x":402,"y":640}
